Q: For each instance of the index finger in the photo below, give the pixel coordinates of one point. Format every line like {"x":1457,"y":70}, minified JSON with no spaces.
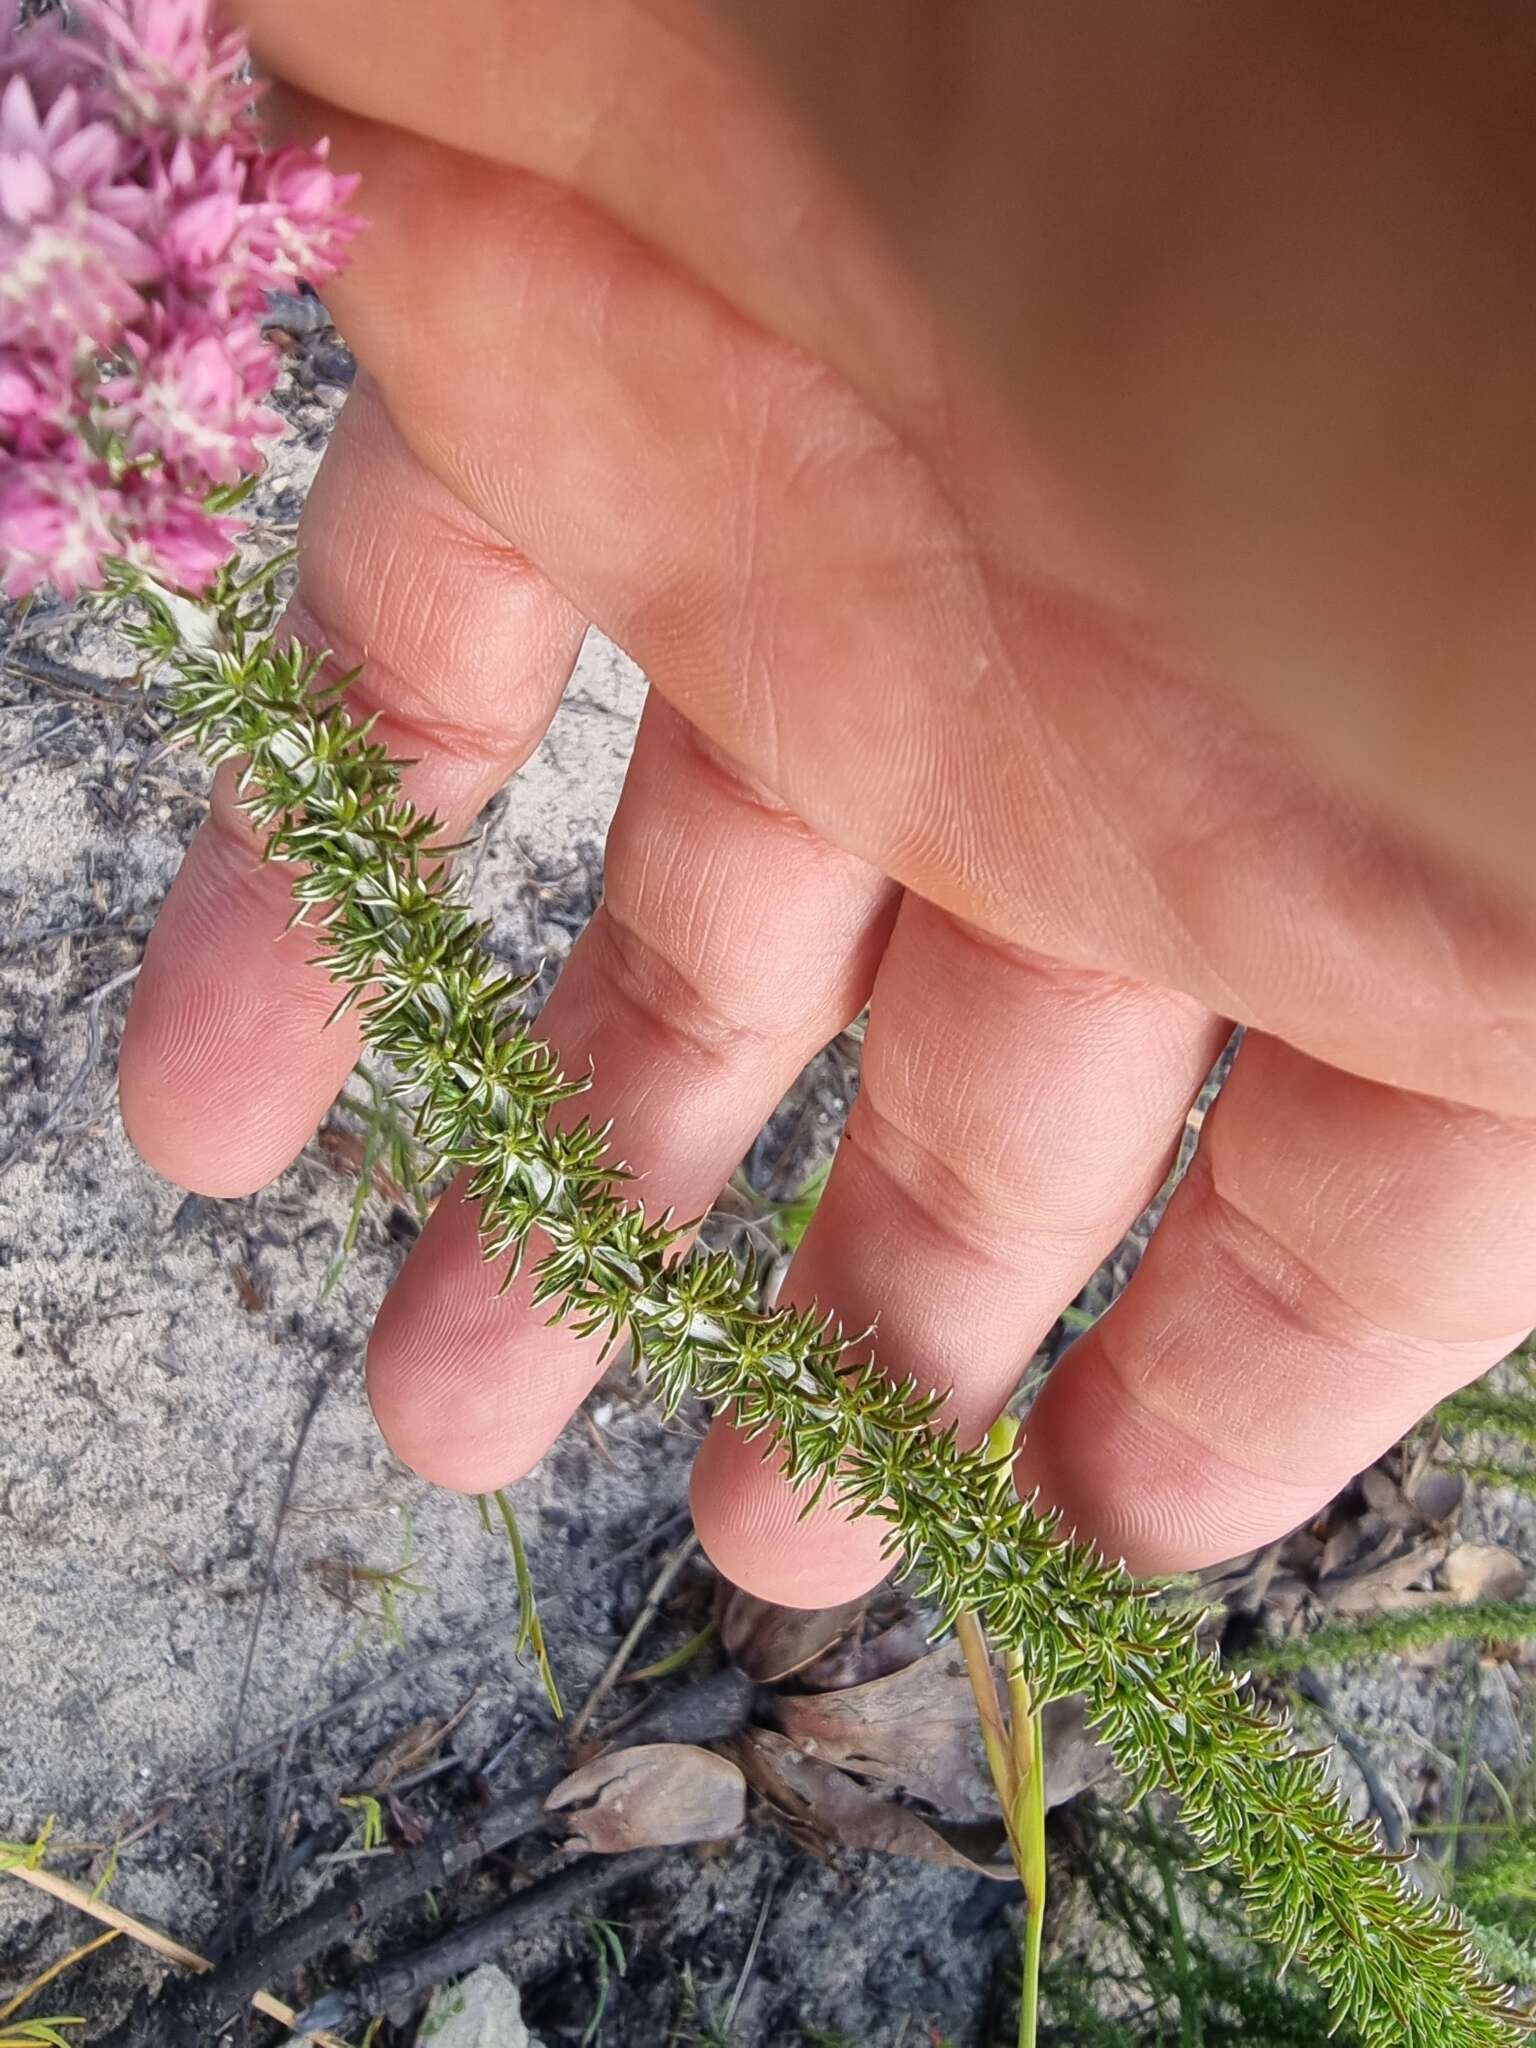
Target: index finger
{"x":225,"y":1070}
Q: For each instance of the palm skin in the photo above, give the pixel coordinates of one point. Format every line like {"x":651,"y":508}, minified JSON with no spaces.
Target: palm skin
{"x":921,"y":737}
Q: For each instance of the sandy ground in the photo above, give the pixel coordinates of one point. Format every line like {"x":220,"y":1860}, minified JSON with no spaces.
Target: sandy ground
{"x":189,"y":1476}
{"x":187,"y":1461}
{"x":163,"y":1351}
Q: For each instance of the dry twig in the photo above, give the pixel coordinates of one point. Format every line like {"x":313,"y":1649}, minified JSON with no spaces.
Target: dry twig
{"x":648,"y":1612}
{"x":162,"y":1945}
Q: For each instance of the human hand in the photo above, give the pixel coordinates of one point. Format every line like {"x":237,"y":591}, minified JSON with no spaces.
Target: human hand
{"x":917,"y":738}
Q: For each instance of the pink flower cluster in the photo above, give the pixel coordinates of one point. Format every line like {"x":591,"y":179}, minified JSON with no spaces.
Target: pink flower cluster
{"x":141,"y":220}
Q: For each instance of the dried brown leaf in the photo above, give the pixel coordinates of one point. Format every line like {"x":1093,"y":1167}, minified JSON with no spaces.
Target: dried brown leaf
{"x":1482,"y":1571}
{"x":1075,"y":1759}
{"x":1378,"y":1550}
{"x":397,"y":1756}
{"x":816,"y":1802}
{"x":915,"y":1729}
{"x":659,"y":1795}
{"x":770,"y":1643}
{"x":1384,"y":1496}
{"x":855,"y":1660}
{"x":1466,"y":1573}
{"x":1243,"y":1585}
{"x":252,"y":1300}
{"x":1341,"y":1547}
{"x":1437,"y":1493}
{"x":1389,"y":1585}
{"x":412,"y":1748}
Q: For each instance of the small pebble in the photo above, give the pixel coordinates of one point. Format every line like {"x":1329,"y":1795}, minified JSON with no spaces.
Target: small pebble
{"x":480,"y":2011}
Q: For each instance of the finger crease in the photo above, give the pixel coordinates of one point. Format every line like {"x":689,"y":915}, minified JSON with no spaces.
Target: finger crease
{"x":967,"y":1219}
{"x":671,"y":1003}
{"x":1240,"y":1234}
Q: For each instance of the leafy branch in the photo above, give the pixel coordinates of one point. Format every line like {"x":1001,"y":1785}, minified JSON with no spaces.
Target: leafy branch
{"x":1388,"y":1635}
{"x":371,"y":880}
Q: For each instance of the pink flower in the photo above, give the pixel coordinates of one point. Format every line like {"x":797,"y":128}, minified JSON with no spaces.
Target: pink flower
{"x":44,"y":55}
{"x":21,"y":398}
{"x":297,"y":225}
{"x":71,"y":256}
{"x":167,"y":68}
{"x":198,"y":196}
{"x":38,"y":406}
{"x":62,"y":517}
{"x":192,"y":398}
{"x":172,"y":536}
{"x":140,"y":222}
{"x":57,"y":517}
{"x":236,"y":227}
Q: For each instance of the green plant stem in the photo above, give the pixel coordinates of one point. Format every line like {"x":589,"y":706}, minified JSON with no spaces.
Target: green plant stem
{"x":1191,"y":2027}
{"x":1014,"y":1759}
{"x":1026,"y":1807}
{"x":977,"y":1652}
{"x":530,"y":1628}
{"x":392,"y":931}
{"x":1029,"y":1762}
{"x":676,"y":1660}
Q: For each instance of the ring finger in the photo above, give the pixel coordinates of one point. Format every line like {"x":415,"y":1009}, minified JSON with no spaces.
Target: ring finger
{"x":1014,"y":1117}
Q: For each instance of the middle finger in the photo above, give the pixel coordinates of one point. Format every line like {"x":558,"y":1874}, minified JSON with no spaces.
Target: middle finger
{"x":731,"y":944}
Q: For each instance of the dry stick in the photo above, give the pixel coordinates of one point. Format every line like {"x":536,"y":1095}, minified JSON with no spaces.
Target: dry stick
{"x":350,"y":1903}
{"x":28,"y":938}
{"x":28,"y":1141}
{"x":59,"y":675}
{"x":268,"y":1579}
{"x":491,"y":1626}
{"x":381,"y":1986}
{"x":75,"y":1895}
{"x":30,"y":753}
{"x":76,"y":1955}
{"x":642,"y":1622}
{"x":751,"y":1957}
{"x":151,"y":1938}
{"x":715,"y":1708}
